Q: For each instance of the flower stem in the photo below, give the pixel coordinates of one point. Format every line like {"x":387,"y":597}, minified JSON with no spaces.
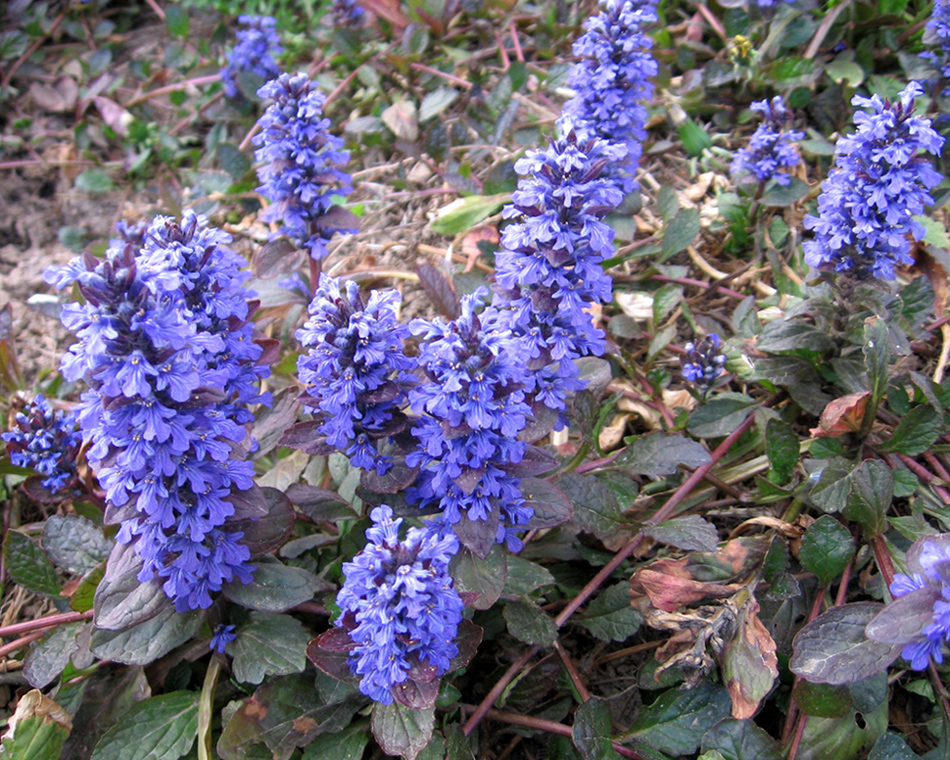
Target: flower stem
{"x":205,"y":705}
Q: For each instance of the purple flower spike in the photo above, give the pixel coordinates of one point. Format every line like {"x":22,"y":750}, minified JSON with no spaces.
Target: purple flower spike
{"x":866,"y":208}
{"x":254,"y":52}
{"x":703,"y":362}
{"x":399,"y":605}
{"x":355,"y":371}
{"x":168,"y":353}
{"x":772,"y":146}
{"x":299,"y":160}
{"x":46,"y":441}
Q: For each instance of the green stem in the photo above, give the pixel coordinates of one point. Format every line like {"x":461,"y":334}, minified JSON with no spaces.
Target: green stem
{"x":205,"y":707}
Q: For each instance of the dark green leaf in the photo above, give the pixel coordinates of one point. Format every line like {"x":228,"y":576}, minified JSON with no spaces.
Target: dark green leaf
{"x":275,"y":587}
{"x":610,"y":617}
{"x":676,"y":722}
{"x":74,"y":543}
{"x":347,"y":744}
{"x":915,"y":433}
{"x":691,"y":533}
{"x":667,"y":203}
{"x":232,"y":159}
{"x":695,"y":140}
{"x":844,"y":738}
{"x":592,"y":728}
{"x":741,"y":740}
{"x":49,"y":657}
{"x":660,"y":454}
{"x":877,"y":356}
{"x":680,"y":232}
{"x":269,"y":644}
{"x":42,"y":727}
{"x":782,"y":449}
{"x":525,"y":576}
{"x":28,"y":565}
{"x":401,"y":730}
{"x":788,"y":72}
{"x":826,"y":550}
{"x":527,"y":622}
{"x":821,"y":699}
{"x":285,"y":713}
{"x":872,"y":489}
{"x":145,"y":642}
{"x":785,"y":195}
{"x":787,"y":337}
{"x":122,"y":600}
{"x":665,"y":299}
{"x":176,"y":21}
{"x":484,"y":577}
{"x":834,"y":649}
{"x":596,"y":508}
{"x":94,"y":181}
{"x":891,"y":747}
{"x":160,"y":728}
{"x":833,"y":488}
{"x":721,"y":415}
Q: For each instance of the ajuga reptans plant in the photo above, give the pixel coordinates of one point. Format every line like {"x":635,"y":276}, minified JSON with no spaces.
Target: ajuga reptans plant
{"x":771,"y":148}
{"x":166,"y":348}
{"x":257,"y":44}
{"x":703,"y":361}
{"x":45,"y":440}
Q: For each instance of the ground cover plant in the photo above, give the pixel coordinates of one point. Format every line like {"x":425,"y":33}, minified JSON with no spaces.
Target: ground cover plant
{"x":475,"y":380}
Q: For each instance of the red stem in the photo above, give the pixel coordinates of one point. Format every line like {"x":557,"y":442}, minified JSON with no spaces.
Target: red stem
{"x":20,"y":643}
{"x":51,"y":621}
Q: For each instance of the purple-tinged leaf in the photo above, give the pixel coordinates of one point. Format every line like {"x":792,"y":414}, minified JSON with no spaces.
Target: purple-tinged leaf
{"x":536,"y":461}
{"x":439,"y":290}
{"x":330,"y":651}
{"x":903,"y":620}
{"x":551,"y":505}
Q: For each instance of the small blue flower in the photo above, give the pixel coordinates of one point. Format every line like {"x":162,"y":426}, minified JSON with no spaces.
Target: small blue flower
{"x":298,"y":164}
{"x":221,"y":637}
{"x":355,"y":371}
{"x":703,"y":361}
{"x":612,"y":80}
{"x":46,"y":441}
{"x":399,"y":604}
{"x":881,"y":181}
{"x":254,"y":52}
{"x":168,"y":352}
{"x":772,"y":147}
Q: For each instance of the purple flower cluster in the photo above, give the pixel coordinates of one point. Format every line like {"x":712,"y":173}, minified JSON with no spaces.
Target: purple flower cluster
{"x":549,"y":268}
{"x":867,"y":204}
{"x":254,"y":52}
{"x":933,"y":585}
{"x":703,"y":361}
{"x":771,"y":147}
{"x":611,"y":81}
{"x":939,"y":27}
{"x":166,"y":348}
{"x":298,"y":158}
{"x":221,"y":636}
{"x":401,"y":598}
{"x":347,"y":13}
{"x":355,"y":370}
{"x":471,"y":411}
{"x":46,"y":441}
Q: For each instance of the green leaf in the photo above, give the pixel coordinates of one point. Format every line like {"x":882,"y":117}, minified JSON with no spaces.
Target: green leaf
{"x":695,"y":138}
{"x":275,"y":587}
{"x":436,"y":102}
{"x":41,"y":729}
{"x":347,"y":744}
{"x":667,"y":203}
{"x":269,"y":644}
{"x":284,"y":713}
{"x":676,"y":722}
{"x":610,"y":617}
{"x":74,"y":543}
{"x":785,"y":195}
{"x":527,"y":622}
{"x":159,"y":728}
{"x":524,"y":576}
{"x":665,"y":300}
{"x":877,"y":356}
{"x":145,"y":642}
{"x":83,"y":598}
{"x":49,"y":658}
{"x":834,"y":648}
{"x":915,"y":433}
{"x":596,"y":508}
{"x":660,"y":454}
{"x":464,"y":213}
{"x":122,"y":600}
{"x":401,"y":730}
{"x":680,"y":232}
{"x":782,"y":448}
{"x":833,"y":488}
{"x":176,"y":21}
{"x":826,"y":550}
{"x":591,"y":731}
{"x":740,"y":740}
{"x":844,"y":738}
{"x":720,"y":415}
{"x":28,"y":565}
{"x":821,"y":699}
{"x":934,"y":232}
{"x":787,"y":72}
{"x":796,"y":338}
{"x":484,"y":577}
{"x":691,"y":533}
{"x":94,"y":181}
{"x":661,"y":340}
{"x":232,"y":159}
{"x":872,"y":490}
{"x":891,"y":747}
{"x":843,"y":70}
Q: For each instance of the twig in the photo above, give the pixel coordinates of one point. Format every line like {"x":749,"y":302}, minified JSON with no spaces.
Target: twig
{"x":713,"y":22}
{"x":571,"y":669}
{"x":20,"y":643}
{"x":33,"y":48}
{"x":700,"y":284}
{"x":519,"y":54}
{"x":185,"y":83}
{"x":51,"y":621}
{"x":157,"y":8}
{"x":485,"y":706}
{"x":825,"y":27}
{"x":447,"y":77}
